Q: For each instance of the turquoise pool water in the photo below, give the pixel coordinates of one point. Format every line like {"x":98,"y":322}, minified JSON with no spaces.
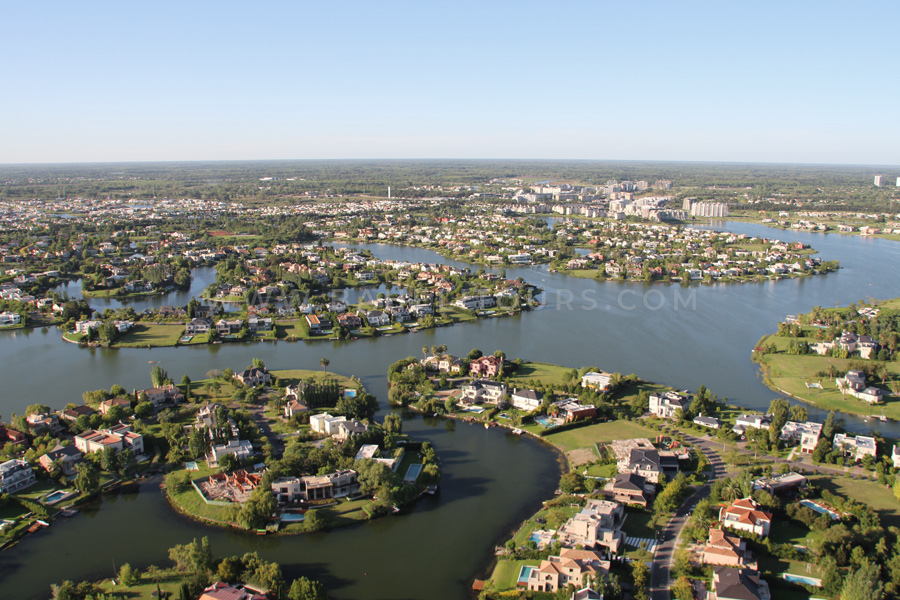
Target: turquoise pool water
{"x":412,"y":473}
{"x":291,"y":517}
{"x":349,"y":393}
{"x":544,"y":421}
{"x":524,"y":574}
{"x":802,"y":579}
{"x":821,"y":509}
{"x":55,"y":496}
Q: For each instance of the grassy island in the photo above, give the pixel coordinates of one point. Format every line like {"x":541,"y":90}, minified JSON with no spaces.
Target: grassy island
{"x":808,"y":358}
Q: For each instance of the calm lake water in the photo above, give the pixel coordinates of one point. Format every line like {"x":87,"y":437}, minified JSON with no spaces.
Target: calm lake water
{"x":682,"y":336}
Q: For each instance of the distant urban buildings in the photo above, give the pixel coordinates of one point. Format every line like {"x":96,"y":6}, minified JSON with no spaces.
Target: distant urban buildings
{"x":879,"y":180}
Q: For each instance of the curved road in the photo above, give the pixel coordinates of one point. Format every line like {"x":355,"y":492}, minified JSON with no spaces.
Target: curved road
{"x":662,"y":560}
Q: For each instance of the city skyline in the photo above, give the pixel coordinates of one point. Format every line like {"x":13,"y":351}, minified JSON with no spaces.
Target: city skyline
{"x":697,"y":82}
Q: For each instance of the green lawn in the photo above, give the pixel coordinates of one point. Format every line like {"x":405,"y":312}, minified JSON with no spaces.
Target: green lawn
{"x":586,"y":437}
{"x":545,"y":373}
{"x":506,"y":573}
{"x":293,"y":377}
{"x":637,"y":524}
{"x":873,"y":494}
{"x":151,"y":334}
{"x":602,"y":471}
{"x":791,"y":373}
{"x":38,"y":490}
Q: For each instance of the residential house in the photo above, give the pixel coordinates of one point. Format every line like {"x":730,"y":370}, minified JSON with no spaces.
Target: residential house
{"x":597,"y":381}
{"x":450,"y":364}
{"x":12,"y":436}
{"x":895,"y":456}
{"x":666,"y":405}
{"x":118,"y":437}
{"x":479,"y":302}
{"x":198,"y":326}
{"x":160,"y":395}
{"x":313,"y":488}
{"x":349,"y":320}
{"x":254,"y":376}
{"x":730,"y":583}
{"x":42,"y":423}
{"x":806,"y":434}
{"x":855,"y":447}
{"x":340,"y":428}
{"x":710,"y":422}
{"x":72,"y":414}
{"x":66,"y":456}
{"x":241,"y":449}
{"x":745,"y":422}
{"x":314,"y":324}
{"x":294,"y":407}
{"x":10,"y":318}
{"x":598,"y":525}
{"x":15,"y":474}
{"x":377,"y":318}
{"x":107,"y":405}
{"x":781,"y":484}
{"x":724,"y":549}
{"x":629,"y":488}
{"x":255,"y":324}
{"x":229,"y":326}
{"x":483,"y":390}
{"x":573,"y":410}
{"x":225,"y":591}
{"x":486,"y":366}
{"x":746,"y":515}
{"x":526,"y":400}
{"x":570,"y":567}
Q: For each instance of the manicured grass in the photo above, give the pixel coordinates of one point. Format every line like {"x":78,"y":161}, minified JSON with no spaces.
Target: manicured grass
{"x":586,"y":437}
{"x":38,"y":490}
{"x":347,"y":511}
{"x":602,"y":471}
{"x":545,"y":373}
{"x":790,"y":532}
{"x":637,"y":524}
{"x":171,"y":584}
{"x":873,"y":494}
{"x":506,"y":573}
{"x":294,"y":376}
{"x":582,"y":273}
{"x":151,"y":334}
{"x":791,"y":373}
{"x":12,"y":511}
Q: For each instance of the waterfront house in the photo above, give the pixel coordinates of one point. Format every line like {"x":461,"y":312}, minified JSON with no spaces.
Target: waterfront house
{"x":254,"y":376}
{"x":241,"y":449}
{"x":855,"y":447}
{"x":895,"y":456}
{"x":118,"y":437}
{"x":377,"y":318}
{"x":198,"y":326}
{"x":484,"y":390}
{"x":108,"y":405}
{"x":710,"y":422}
{"x":229,"y":326}
{"x":745,"y":422}
{"x":72,"y":414}
{"x":225,"y":591}
{"x":570,"y":567}
{"x":66,"y":456}
{"x":526,"y":400}
{"x":15,"y":475}
{"x":486,"y":366}
{"x":160,"y":395}
{"x":597,"y":381}
{"x":746,"y":515}
{"x":314,"y":324}
{"x":573,"y":410}
{"x":312,"y":488}
{"x":349,"y":320}
{"x":665,"y":406}
{"x":598,"y":525}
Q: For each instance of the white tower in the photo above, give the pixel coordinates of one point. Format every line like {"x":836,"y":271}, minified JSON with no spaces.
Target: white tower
{"x":878,"y":179}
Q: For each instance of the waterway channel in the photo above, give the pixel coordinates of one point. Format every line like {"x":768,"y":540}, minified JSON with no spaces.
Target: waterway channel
{"x":682,"y":336}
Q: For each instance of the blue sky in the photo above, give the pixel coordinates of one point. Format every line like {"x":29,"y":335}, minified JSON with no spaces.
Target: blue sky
{"x":811,"y":82}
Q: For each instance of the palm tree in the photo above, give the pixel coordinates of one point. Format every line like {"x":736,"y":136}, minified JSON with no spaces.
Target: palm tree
{"x":424,"y":352}
{"x":325,"y":362}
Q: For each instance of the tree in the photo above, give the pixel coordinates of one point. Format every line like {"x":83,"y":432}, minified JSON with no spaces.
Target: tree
{"x":229,"y":569}
{"x":307,"y":589}
{"x":828,"y":426}
{"x":325,"y":362}
{"x":87,"y":479}
{"x":256,"y":510}
{"x":641,"y":574}
{"x":158,"y":376}
{"x":127,"y":575}
{"x":258,"y":363}
{"x":864,"y":583}
{"x":393,"y":423}
{"x":571,"y":483}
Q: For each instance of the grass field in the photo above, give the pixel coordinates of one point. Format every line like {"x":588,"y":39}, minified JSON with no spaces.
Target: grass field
{"x":150,"y":334}
{"x":791,"y":373}
{"x":294,"y":376}
{"x":506,"y":573}
{"x":586,"y":437}
{"x":545,"y":373}
{"x":873,"y":494}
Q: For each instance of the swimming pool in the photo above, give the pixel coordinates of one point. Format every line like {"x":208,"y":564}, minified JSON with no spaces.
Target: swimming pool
{"x":349,"y":393}
{"x":546,"y":422}
{"x":802,"y":579}
{"x":289,"y":517}
{"x":524,"y":574}
{"x":412,"y":473}
{"x":474,"y":409}
{"x":55,"y":496}
{"x":821,"y":509}
{"x":191,"y":466}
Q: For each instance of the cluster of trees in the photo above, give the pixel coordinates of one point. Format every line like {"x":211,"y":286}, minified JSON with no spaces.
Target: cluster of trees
{"x":196,"y":567}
